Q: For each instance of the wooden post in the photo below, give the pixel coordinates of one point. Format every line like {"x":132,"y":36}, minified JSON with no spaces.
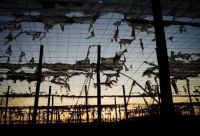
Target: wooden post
{"x":1,"y":116}
{"x":99,"y":84}
{"x":39,"y":110}
{"x":153,"y":97}
{"x":76,"y":114}
{"x":119,"y":113}
{"x":39,"y":75}
{"x":20,"y":118}
{"x":158,"y":93}
{"x":130,"y":91}
{"x":23,"y":121}
{"x":79,"y":109}
{"x":6,"y":108}
{"x":110,"y":115}
{"x":29,"y":115}
{"x":10,"y":116}
{"x":56,"y":116}
{"x":52,"y":109}
{"x":115,"y":109}
{"x":191,"y":105}
{"x":125,"y":104}
{"x":43,"y":117}
{"x":48,"y":104}
{"x":167,"y":107}
{"x":86,"y":104}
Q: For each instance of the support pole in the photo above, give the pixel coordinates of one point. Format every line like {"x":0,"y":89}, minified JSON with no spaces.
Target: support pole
{"x":115,"y":109}
{"x":125,"y":104}
{"x":130,"y":91}
{"x":52,"y":108}
{"x":39,"y":111}
{"x":119,"y":113}
{"x":39,"y":72}
{"x":76,"y":111}
{"x":10,"y":116}
{"x":153,"y":97}
{"x":191,"y":105}
{"x":29,"y":115}
{"x":99,"y":84}
{"x":6,"y":108}
{"x":56,"y":116}
{"x":167,"y":108}
{"x":110,"y":115}
{"x":86,"y":104}
{"x":48,"y":104}
{"x":79,"y":111}
{"x":1,"y":116}
{"x":20,"y":118}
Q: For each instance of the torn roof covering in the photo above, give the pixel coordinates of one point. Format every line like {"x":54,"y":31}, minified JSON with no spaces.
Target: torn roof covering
{"x":182,"y":65}
{"x":58,"y":69}
{"x":58,"y":11}
{"x":134,"y":8}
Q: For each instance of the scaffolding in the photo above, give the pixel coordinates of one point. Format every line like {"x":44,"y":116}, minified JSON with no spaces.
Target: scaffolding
{"x":98,"y":61}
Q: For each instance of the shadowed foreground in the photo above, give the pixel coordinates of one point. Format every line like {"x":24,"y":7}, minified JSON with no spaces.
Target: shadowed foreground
{"x":183,"y":123}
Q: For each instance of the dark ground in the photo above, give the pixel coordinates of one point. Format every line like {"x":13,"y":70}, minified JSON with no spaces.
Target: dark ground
{"x":148,"y":124}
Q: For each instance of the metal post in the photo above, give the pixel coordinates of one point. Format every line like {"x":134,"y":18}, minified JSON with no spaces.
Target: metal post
{"x":39,"y":74}
{"x":6,"y":108}
{"x":125,"y":104}
{"x":86,"y":104}
{"x":115,"y":109}
{"x":99,"y":84}
{"x":167,"y":107}
{"x":191,"y":105}
{"x":48,"y":104}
